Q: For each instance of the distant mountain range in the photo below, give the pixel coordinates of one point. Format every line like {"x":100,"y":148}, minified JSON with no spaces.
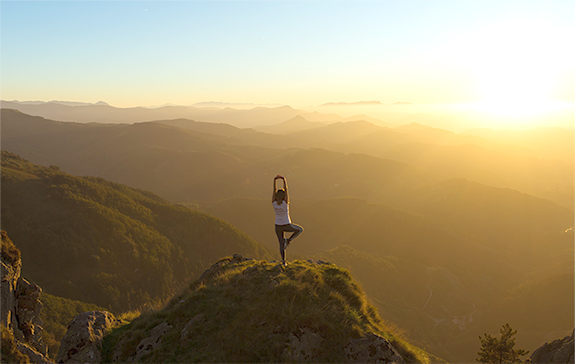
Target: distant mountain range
{"x":93,"y":149}
{"x":104,"y":113}
{"x":67,"y":103}
{"x":366,"y":103}
{"x":235,"y":105}
{"x":357,"y":103}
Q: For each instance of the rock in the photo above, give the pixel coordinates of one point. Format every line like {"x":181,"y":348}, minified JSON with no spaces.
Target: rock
{"x":188,"y":327}
{"x":10,"y":275}
{"x":557,"y":351}
{"x":372,"y":348}
{"x":147,"y":345}
{"x":302,"y":346}
{"x":20,"y":304}
{"x":32,"y":354}
{"x":28,"y":308}
{"x":82,"y":343}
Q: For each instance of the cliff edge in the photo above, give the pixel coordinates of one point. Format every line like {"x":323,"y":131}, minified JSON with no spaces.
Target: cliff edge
{"x":20,"y":306}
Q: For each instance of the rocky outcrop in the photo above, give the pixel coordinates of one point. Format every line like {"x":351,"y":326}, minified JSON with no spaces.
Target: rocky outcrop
{"x":303,"y":344}
{"x":557,"y":351}
{"x":372,"y":348}
{"x":147,"y":345}
{"x":33,"y":355}
{"x":20,"y":304}
{"x":82,"y":343}
{"x":10,"y":275}
{"x":28,"y":307}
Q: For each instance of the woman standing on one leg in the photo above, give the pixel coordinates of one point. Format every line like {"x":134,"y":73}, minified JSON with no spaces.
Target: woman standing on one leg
{"x":280,"y":202}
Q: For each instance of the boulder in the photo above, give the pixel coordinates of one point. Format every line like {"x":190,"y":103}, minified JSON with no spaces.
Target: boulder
{"x":372,"y":348}
{"x":302,"y":345}
{"x":556,"y":351}
{"x":82,"y":343}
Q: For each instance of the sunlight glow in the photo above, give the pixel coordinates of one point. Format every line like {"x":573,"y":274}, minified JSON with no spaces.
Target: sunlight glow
{"x":517,"y":66}
{"x":518,"y":107}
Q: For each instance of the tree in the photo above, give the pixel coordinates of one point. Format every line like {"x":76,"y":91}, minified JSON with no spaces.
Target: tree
{"x":501,"y":350}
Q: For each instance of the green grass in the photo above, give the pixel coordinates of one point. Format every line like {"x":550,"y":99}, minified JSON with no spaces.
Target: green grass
{"x":246,"y":312}
{"x":10,"y":253}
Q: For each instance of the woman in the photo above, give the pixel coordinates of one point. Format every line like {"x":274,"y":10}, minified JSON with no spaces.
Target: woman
{"x":280,"y":202}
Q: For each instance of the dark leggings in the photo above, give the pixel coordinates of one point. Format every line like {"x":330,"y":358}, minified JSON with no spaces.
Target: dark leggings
{"x":289,"y":228}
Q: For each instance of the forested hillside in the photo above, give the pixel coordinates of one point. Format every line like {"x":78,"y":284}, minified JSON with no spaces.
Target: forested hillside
{"x":92,"y":240}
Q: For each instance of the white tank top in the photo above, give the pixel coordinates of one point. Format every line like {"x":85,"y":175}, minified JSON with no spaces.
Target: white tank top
{"x":282,"y":213}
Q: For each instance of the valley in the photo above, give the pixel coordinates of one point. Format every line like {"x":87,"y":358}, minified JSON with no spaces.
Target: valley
{"x":450,"y":234}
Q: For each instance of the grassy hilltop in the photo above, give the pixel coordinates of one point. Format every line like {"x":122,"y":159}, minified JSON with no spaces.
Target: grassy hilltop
{"x":256,"y":311}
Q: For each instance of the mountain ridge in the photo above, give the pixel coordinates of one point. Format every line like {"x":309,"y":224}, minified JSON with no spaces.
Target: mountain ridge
{"x":109,"y":114}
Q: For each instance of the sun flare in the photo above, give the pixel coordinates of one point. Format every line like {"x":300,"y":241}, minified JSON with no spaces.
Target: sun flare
{"x":517,"y":66}
{"x":518,"y":108}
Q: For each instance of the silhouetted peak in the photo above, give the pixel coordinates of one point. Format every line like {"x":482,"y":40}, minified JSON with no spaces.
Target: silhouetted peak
{"x":357,"y":103}
{"x":414,"y":126}
{"x":297,"y":120}
{"x":403,"y":103}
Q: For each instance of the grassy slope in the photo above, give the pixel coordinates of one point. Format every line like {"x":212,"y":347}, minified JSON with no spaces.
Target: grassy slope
{"x":10,"y":254}
{"x":399,"y":288}
{"x":246,"y":312}
{"x":95,"y":241}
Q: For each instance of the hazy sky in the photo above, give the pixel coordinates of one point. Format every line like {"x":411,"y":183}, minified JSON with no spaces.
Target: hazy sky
{"x":130,"y":53}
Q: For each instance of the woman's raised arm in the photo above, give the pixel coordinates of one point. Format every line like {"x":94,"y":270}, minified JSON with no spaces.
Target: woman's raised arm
{"x":274,"y":190}
{"x":286,"y":189}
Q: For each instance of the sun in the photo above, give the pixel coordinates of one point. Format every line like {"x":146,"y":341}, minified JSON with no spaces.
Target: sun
{"x":517,"y":66}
